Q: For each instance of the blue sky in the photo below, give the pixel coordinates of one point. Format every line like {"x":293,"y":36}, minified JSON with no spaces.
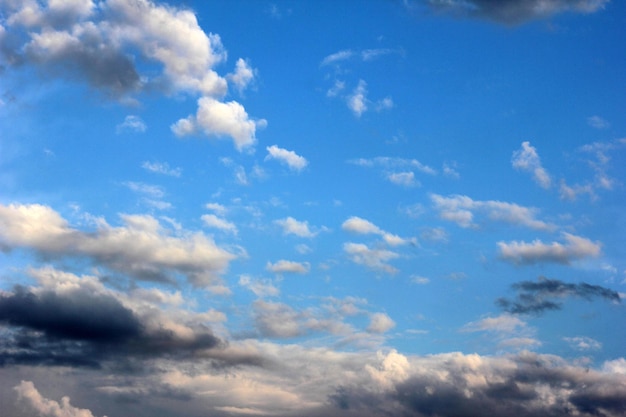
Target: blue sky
{"x":312,"y":208}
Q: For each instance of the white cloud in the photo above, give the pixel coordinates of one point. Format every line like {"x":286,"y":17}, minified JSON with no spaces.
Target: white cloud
{"x":583,"y":343}
{"x":337,"y":57}
{"x":153,"y":191}
{"x":215,"y":118}
{"x":380,"y":323}
{"x":574,"y":248}
{"x":243,"y":75}
{"x":406,"y":179}
{"x":211,"y":220}
{"x":260,"y":288}
{"x":29,"y":395}
{"x":527,"y":159}
{"x":141,"y":247}
{"x":598,"y":122}
{"x":294,"y":161}
{"x":359,"y":225}
{"x":217,"y":208}
{"x":393,"y":163}
{"x":292,"y":226}
{"x":291,"y":267}
{"x":504,"y":323}
{"x":162,"y":168}
{"x":357,"y":101}
{"x":131,"y":124}
{"x":375,"y":259}
{"x":416,"y":279}
{"x":460,"y":209}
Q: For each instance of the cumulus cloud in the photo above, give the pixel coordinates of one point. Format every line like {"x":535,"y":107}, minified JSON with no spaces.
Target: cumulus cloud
{"x":513,"y":12}
{"x":284,"y":266}
{"x":30,"y":396}
{"x":294,"y":161}
{"x":537,"y":297}
{"x":527,"y":159}
{"x":461,"y":210}
{"x":260,"y":288}
{"x":406,"y":179}
{"x":357,"y":101}
{"x":583,"y":343}
{"x":292,"y":226}
{"x":380,"y":323}
{"x":361,"y":226}
{"x":372,"y":258}
{"x":211,"y":220}
{"x":97,"y":44}
{"x":142,"y":247}
{"x":215,"y":118}
{"x":523,"y":253}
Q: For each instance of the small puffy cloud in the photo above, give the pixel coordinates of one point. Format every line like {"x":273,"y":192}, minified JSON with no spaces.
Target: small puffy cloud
{"x":417,"y":279}
{"x":162,"y":168}
{"x":461,"y":209}
{"x":375,"y":259}
{"x":527,"y":159}
{"x":357,"y":101}
{"x":294,"y":161}
{"x":380,"y":323}
{"x":242,"y":76}
{"x":389,"y":163}
{"x":283,"y":266}
{"x":292,"y":226}
{"x":598,"y":122}
{"x":131,"y":124}
{"x":362,"y":226}
{"x":216,"y":208}
{"x":574,"y":248}
{"x":215,"y":118}
{"x":505,"y":323}
{"x":211,"y":220}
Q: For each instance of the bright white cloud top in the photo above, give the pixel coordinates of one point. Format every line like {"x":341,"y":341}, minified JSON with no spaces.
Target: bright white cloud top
{"x":252,"y":208}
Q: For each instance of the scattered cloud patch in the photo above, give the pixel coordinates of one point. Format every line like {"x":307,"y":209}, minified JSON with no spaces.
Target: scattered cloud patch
{"x":527,"y":159}
{"x":131,"y":124}
{"x":162,"y":168}
{"x":215,"y":222}
{"x":380,"y":323}
{"x":292,"y":226}
{"x":289,"y":267}
{"x":598,"y":122}
{"x":361,"y":226}
{"x":583,"y":343}
{"x":373,"y":258}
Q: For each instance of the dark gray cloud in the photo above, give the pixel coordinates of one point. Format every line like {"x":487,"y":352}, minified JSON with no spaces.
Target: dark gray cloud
{"x":513,"y":12}
{"x":536,"y":297}
{"x":83,"y":328}
{"x":528,"y":386}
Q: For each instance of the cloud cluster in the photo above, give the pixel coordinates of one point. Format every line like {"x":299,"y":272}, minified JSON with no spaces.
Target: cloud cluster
{"x":142,"y":247}
{"x":537,"y":297}
{"x":513,"y":12}
{"x":461,"y":209}
{"x":96,"y":42}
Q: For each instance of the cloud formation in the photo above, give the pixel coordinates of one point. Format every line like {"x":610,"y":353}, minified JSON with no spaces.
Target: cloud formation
{"x":512,"y":12}
{"x":527,"y":159}
{"x":575,"y":248}
{"x":461,"y":210}
{"x":294,"y":161}
{"x":537,"y":297}
{"x":142,"y":247}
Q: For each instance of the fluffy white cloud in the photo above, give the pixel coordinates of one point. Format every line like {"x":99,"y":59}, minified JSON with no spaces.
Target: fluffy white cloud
{"x":294,"y":161}
{"x":284,"y":266}
{"x":406,"y":179}
{"x":362,"y":226}
{"x":372,"y":258}
{"x":260,"y":288}
{"x":504,"y":323}
{"x":527,"y":159}
{"x":574,"y":248}
{"x":211,"y":220}
{"x":583,"y":343}
{"x":142,"y":247}
{"x":380,"y":323}
{"x":292,"y":226}
{"x":460,"y":209}
{"x":357,"y":101}
{"x":29,"y":395}
{"x":131,"y":123}
{"x":215,"y":118}
{"x":243,"y":75}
